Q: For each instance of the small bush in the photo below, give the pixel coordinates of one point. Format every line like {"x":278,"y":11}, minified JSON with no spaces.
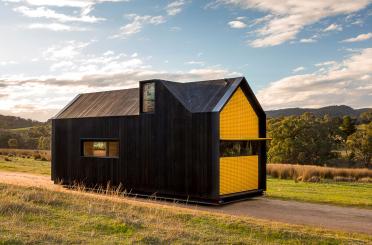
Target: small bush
{"x":343,"y":179}
{"x":37,"y":156}
{"x":7,"y":159}
{"x":365,"y":180}
{"x":313,"y":179}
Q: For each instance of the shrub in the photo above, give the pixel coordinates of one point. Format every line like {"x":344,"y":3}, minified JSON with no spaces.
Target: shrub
{"x":306,"y":172}
{"x":37,"y":156}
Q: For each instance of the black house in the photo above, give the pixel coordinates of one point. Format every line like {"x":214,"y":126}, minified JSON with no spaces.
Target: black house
{"x":202,"y":141}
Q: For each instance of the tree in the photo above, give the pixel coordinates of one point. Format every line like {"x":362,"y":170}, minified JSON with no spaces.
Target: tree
{"x":360,"y":144}
{"x":44,"y":143}
{"x":348,"y":126}
{"x":366,"y":117}
{"x":12,"y":143}
{"x":304,"y":139}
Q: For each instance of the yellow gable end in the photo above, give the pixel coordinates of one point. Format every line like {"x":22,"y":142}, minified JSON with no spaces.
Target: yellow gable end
{"x":238,"y":120}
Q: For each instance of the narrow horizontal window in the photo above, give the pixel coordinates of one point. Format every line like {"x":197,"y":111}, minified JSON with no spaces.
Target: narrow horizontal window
{"x":229,"y":148}
{"x":98,"y":148}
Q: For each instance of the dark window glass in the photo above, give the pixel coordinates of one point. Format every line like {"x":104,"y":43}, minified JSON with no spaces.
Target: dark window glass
{"x":96,"y":148}
{"x":229,"y":148}
{"x":148,"y":97}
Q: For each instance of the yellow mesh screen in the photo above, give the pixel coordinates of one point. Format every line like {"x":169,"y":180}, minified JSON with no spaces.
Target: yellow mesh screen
{"x":238,"y":120}
{"x":238,"y":174}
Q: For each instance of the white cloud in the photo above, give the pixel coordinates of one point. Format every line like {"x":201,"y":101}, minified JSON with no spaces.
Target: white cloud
{"x":333,"y":27}
{"x":8,"y":62}
{"x":175,"y":7}
{"x":237,"y":24}
{"x":137,"y":24}
{"x":193,"y":62}
{"x":298,"y":69}
{"x":307,"y":40}
{"x":65,"y":50}
{"x":54,"y":27}
{"x":285,"y":19}
{"x":347,"y":82}
{"x":74,"y":70}
{"x":358,"y":38}
{"x":326,"y":63}
{"x":42,"y":12}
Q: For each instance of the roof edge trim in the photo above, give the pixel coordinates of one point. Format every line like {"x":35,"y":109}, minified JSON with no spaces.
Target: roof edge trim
{"x":228,"y":94}
{"x":66,"y":107}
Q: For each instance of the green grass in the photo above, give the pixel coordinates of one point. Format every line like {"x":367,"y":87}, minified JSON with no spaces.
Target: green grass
{"x":339,"y":193}
{"x":25,"y":165}
{"x":38,"y":216}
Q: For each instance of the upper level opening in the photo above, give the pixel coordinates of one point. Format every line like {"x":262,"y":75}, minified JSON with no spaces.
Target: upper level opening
{"x":147,"y":97}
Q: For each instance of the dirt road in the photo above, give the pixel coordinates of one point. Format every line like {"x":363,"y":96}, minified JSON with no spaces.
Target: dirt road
{"x":318,"y":215}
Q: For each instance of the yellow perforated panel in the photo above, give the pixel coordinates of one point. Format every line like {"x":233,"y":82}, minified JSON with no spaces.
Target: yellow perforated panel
{"x":238,"y":174}
{"x":238,"y":120}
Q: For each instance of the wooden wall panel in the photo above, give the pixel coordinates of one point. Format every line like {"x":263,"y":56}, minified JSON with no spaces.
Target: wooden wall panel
{"x":169,"y":152}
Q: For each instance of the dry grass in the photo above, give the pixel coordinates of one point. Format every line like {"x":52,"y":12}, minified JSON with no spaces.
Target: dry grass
{"x":39,"y":216}
{"x":317,"y":173}
{"x":25,"y":153}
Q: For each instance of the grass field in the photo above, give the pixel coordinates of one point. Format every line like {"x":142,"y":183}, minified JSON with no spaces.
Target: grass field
{"x":37,"y":216}
{"x":339,"y":193}
{"x":24,"y":165}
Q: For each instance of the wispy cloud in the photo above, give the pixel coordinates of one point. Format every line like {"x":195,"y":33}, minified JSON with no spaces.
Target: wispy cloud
{"x":43,"y":12}
{"x":194,"y":62}
{"x":237,"y":24}
{"x":346,"y":82}
{"x":41,"y":9}
{"x":307,"y":40}
{"x":137,"y":23}
{"x":332,"y":27}
{"x":359,"y":38}
{"x":287,"y":18}
{"x":298,"y":69}
{"x":175,"y":7}
{"x":8,"y":62}
{"x":55,"y":27}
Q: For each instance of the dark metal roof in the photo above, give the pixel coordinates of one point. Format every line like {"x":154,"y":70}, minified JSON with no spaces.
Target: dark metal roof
{"x":199,"y":96}
{"x":103,"y":104}
{"x":202,"y":96}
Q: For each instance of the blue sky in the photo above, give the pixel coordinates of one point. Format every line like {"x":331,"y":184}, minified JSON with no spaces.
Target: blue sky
{"x":293,"y":53}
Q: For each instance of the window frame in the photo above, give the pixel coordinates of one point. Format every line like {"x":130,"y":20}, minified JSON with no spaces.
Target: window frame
{"x":142,"y":97}
{"x":82,"y":140}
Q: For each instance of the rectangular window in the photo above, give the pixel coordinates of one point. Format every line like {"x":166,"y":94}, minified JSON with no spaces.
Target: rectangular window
{"x":148,"y":97}
{"x":100,"y":148}
{"x":229,"y":148}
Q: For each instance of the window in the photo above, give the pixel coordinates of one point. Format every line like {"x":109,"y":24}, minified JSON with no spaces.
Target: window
{"x":148,"y":97}
{"x":100,"y":148}
{"x":230,"y":148}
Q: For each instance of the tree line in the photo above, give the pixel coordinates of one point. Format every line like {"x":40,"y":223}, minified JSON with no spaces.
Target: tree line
{"x":37,"y":137}
{"x":326,"y":140}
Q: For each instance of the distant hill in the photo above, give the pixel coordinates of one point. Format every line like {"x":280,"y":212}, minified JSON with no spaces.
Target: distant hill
{"x":11,"y":122}
{"x":333,"y":111}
